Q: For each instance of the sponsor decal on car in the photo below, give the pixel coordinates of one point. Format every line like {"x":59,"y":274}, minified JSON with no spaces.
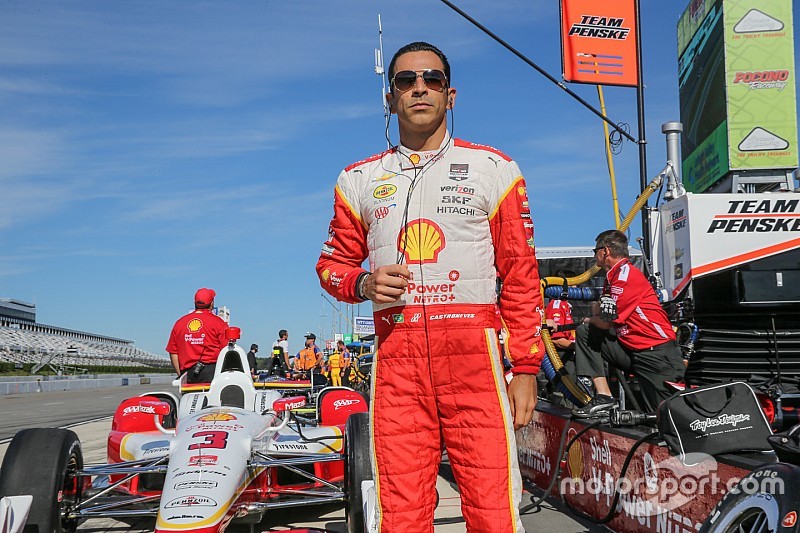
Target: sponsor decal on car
{"x":338,"y":404}
{"x":147,"y":409}
{"x":197,"y":484}
{"x":203,"y":460}
{"x":217,"y":417}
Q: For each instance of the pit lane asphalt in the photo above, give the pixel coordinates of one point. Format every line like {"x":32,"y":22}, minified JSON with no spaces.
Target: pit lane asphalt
{"x":89,"y":412}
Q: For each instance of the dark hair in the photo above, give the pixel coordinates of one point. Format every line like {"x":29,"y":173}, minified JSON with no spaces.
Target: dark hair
{"x":420,"y":46}
{"x":615,"y":240}
{"x":281,"y":333}
{"x":254,"y":346}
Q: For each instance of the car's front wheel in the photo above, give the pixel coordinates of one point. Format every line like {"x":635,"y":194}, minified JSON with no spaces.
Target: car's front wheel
{"x":44,"y":463}
{"x":357,"y":468}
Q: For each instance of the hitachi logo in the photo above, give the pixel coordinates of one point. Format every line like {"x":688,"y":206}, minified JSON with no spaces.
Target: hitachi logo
{"x":758,"y":216}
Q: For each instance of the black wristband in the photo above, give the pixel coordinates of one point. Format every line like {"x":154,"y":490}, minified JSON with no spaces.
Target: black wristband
{"x":360,"y":281}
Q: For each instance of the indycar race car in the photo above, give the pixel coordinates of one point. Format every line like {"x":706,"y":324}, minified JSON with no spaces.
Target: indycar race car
{"x":220,"y":455}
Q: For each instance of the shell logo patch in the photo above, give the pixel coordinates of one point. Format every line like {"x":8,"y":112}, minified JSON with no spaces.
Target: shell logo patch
{"x":195,"y":325}
{"x":326,"y":274}
{"x":414,"y":158}
{"x":217,"y":417}
{"x":521,"y":190}
{"x":421,"y":241}
{"x":384,"y":191}
{"x":575,"y":457}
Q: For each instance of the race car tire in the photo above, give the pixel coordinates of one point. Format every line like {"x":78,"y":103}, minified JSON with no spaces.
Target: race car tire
{"x":44,"y":462}
{"x":761,"y":501}
{"x":357,"y":468}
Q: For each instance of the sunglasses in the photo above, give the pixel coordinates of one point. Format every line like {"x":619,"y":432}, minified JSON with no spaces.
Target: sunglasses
{"x":435,"y":80}
{"x":595,"y":250}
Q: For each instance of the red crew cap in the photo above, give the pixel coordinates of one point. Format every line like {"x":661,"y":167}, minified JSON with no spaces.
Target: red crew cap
{"x":203,"y":297}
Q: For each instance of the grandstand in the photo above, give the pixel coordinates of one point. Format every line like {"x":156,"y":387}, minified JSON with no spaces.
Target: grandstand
{"x":23,"y":340}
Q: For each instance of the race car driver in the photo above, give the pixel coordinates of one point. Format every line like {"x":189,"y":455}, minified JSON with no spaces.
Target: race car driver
{"x":197,"y":338}
{"x":438,"y":217}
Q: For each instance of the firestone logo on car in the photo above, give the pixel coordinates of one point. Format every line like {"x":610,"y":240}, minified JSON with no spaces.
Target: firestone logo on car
{"x":344,"y":403}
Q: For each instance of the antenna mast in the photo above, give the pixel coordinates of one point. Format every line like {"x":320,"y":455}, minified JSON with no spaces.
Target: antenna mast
{"x":379,"y":70}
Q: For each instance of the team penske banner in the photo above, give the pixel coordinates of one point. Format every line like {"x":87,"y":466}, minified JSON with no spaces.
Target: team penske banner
{"x":598,"y":42}
{"x":706,"y":233}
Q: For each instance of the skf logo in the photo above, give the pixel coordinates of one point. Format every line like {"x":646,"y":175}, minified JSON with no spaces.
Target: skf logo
{"x":195,"y":325}
{"x":421,"y":241}
{"x":600,"y":28}
{"x":790,"y":519}
{"x":384,"y":191}
{"x":217,"y":417}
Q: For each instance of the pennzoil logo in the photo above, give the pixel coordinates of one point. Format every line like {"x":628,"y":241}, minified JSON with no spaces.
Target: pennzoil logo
{"x":194,"y":325}
{"x":217,"y":417}
{"x":384,"y":191}
{"x":421,"y":241}
{"x":600,"y":28}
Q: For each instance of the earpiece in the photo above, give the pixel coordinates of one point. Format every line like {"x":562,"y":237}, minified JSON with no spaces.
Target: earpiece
{"x":450,"y":103}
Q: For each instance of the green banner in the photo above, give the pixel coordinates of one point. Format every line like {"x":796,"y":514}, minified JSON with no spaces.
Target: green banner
{"x":760,"y":86}
{"x":703,"y":167}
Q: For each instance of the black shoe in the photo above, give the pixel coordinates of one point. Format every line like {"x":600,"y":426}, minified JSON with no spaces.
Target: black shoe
{"x":597,"y":408}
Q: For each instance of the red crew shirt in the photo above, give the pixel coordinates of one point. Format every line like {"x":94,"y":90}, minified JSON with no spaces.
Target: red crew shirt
{"x":560,"y":312}
{"x":641,"y":321}
{"x":198,"y":336}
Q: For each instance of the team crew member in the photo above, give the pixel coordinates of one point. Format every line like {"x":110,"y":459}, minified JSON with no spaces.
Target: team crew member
{"x":196,"y":340}
{"x":345,"y":372}
{"x":308,"y":358}
{"x":335,"y":369}
{"x":644,"y":342}
{"x":558,"y":314}
{"x":280,"y":352}
{"x":438,"y":217}
{"x":252,"y":361}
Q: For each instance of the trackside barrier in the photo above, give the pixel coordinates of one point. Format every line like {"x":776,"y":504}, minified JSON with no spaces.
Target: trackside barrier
{"x":51,"y":385}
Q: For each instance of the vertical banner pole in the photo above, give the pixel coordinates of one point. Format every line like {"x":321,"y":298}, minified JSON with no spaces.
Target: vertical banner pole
{"x":642,"y":136}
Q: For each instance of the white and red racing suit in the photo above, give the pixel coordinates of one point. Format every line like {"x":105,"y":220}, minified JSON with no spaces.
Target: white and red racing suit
{"x":438,"y":373}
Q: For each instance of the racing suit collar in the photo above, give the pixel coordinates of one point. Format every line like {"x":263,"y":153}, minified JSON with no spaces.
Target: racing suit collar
{"x":418,"y":158}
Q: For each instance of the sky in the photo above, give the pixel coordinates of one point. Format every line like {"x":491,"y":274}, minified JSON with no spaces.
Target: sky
{"x":150,"y":148}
